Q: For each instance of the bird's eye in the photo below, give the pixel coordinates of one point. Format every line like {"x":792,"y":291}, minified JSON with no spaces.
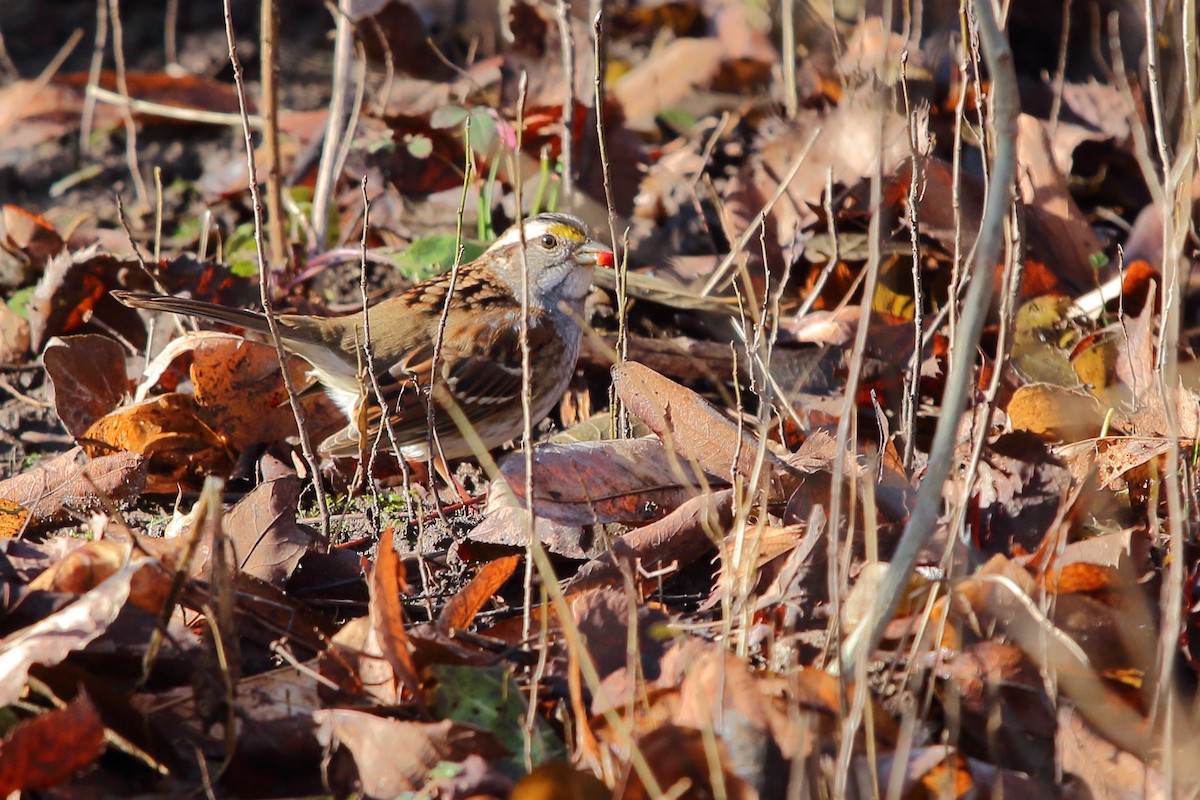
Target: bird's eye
{"x":549,"y":242}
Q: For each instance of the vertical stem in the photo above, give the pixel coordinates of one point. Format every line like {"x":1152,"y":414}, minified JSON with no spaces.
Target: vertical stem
{"x":566,"y":36}
{"x":1005,"y":110}
{"x":269,"y":66}
{"x":787,"y":22}
{"x":306,"y":448}
{"x":335,"y":127}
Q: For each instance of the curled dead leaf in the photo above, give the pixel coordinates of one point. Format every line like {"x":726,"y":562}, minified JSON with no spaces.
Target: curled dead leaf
{"x":167,"y":430}
{"x":695,"y":431}
{"x":1055,"y":412}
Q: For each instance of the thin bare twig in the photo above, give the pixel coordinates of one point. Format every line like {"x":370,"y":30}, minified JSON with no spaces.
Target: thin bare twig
{"x":335,"y":126}
{"x":566,"y":34}
{"x":268,"y":35}
{"x":921,"y":524}
{"x":99,"y":44}
{"x":131,"y":157}
{"x":264,"y":277}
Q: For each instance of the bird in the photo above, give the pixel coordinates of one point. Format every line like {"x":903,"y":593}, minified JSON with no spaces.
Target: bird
{"x":478,"y":370}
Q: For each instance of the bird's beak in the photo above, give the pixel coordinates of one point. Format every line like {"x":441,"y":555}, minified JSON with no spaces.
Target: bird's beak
{"x":594,"y":254}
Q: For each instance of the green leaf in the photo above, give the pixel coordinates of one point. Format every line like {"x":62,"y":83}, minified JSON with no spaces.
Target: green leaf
{"x":19,"y":302}
{"x":447,"y":117}
{"x":427,"y":256}
{"x":489,"y":698}
{"x":419,"y":145}
{"x":483,"y":131}
{"x":244,"y":268}
{"x":677,"y":119}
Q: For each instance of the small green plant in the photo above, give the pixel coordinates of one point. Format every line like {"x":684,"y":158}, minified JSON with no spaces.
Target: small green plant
{"x":19,"y":301}
{"x":432,"y":255}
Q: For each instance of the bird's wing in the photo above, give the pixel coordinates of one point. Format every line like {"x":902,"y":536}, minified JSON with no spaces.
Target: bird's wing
{"x":480,"y":371}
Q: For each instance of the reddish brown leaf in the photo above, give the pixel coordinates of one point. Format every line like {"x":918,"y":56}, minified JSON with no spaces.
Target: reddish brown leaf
{"x":87,"y":378}
{"x":45,"y":751}
{"x":690,"y":426}
{"x":680,"y":756}
{"x":240,"y":393}
{"x":387,"y":617}
{"x":73,"y":288}
{"x":595,"y":483}
{"x":29,"y":233}
{"x":62,"y":488}
{"x":466,"y":603}
{"x":677,"y":539}
{"x":1059,"y":234}
{"x":167,"y":429}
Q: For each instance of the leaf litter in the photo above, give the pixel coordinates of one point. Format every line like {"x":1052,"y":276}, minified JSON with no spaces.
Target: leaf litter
{"x":719,"y":516}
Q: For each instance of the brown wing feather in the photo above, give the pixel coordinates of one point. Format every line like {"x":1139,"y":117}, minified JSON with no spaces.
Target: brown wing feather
{"x":482,"y":374}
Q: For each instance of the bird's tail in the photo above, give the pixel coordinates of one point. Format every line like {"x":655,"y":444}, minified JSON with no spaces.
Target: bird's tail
{"x":250,"y":320}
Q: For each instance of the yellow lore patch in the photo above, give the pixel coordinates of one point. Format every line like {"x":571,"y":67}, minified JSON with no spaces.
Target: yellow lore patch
{"x":563,"y":231}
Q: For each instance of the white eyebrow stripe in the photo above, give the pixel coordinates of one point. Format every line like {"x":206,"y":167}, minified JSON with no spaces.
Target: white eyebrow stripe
{"x":533,"y":229}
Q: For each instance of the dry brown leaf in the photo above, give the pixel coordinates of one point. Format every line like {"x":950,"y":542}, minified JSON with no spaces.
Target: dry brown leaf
{"x":266,"y":537}
{"x":595,"y":483}
{"x":673,"y":73}
{"x":14,"y":336}
{"x":387,"y":617}
{"x":674,"y":541}
{"x":1062,"y":236}
{"x":1104,"y":769}
{"x":466,"y":603}
{"x":1055,"y":412}
{"x":507,"y":524}
{"x":71,"y":628}
{"x":31,"y":235}
{"x":86,"y":567}
{"x":168,"y":431}
{"x":73,"y":288}
{"x":1114,"y":456}
{"x":1004,"y":704}
{"x":604,"y":617}
{"x":394,"y":756}
{"x":240,"y":393}
{"x":62,"y":489}
{"x":87,"y":379}
{"x":692,"y":428}
{"x":999,"y":594}
{"x":13,"y":518}
{"x":680,"y":756}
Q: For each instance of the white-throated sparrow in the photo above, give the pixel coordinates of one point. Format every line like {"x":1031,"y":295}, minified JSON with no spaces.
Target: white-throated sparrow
{"x":480,"y":357}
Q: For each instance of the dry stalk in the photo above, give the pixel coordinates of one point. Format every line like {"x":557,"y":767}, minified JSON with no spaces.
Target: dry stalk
{"x":264,"y":287}
{"x":566,"y":35}
{"x":139,"y":184}
{"x":99,"y":45}
{"x":269,"y":67}
{"x":924,"y":517}
{"x":335,"y":126}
